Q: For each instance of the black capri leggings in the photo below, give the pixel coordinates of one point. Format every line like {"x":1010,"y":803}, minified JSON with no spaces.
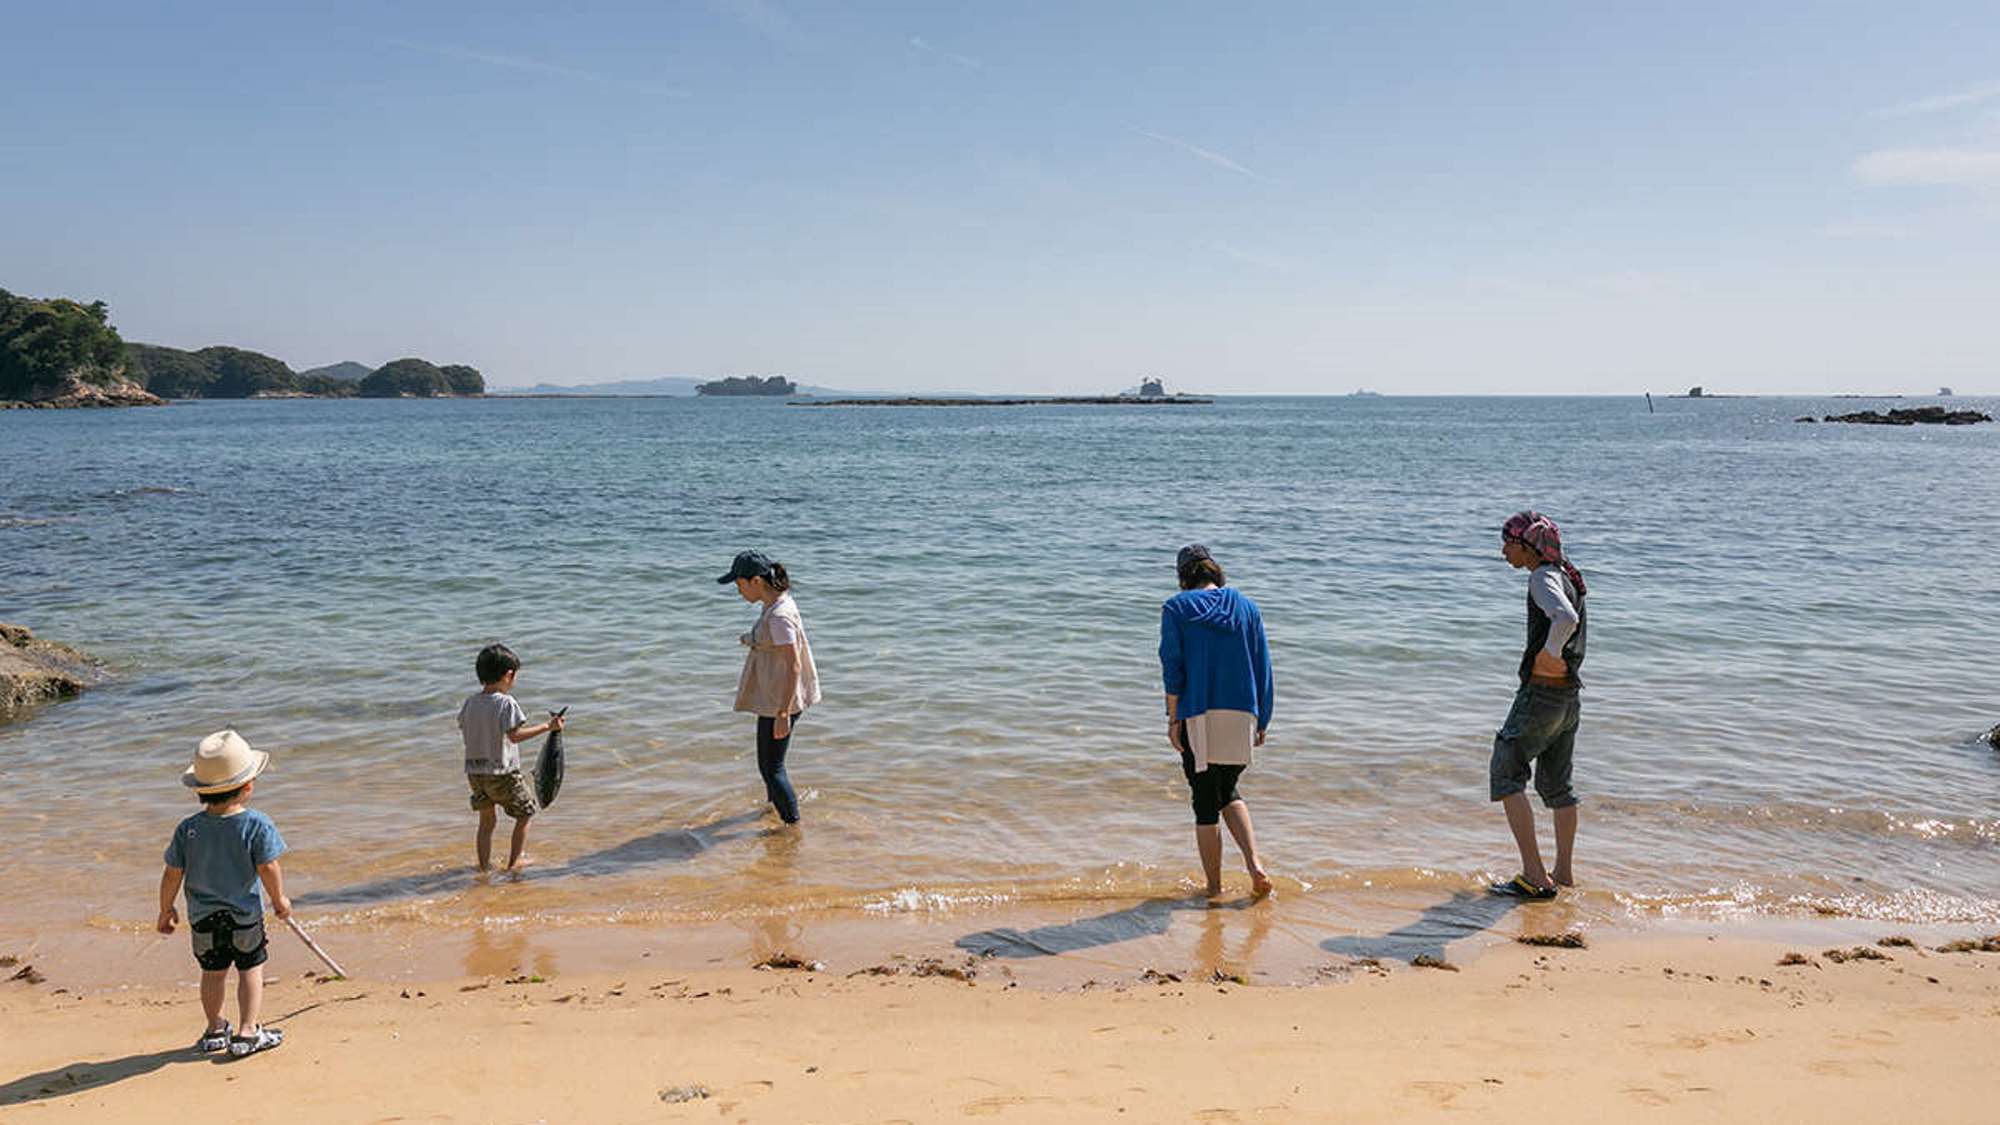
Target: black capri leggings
{"x":1212,"y":789}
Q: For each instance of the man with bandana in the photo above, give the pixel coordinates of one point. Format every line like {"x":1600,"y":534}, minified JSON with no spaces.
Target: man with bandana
{"x":1538,"y":739}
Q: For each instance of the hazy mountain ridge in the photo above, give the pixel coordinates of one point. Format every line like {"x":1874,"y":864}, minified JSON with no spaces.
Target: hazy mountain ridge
{"x":346,"y":371}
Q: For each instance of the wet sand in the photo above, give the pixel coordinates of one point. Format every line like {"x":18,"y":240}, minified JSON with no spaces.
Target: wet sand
{"x":1650,"y":1027}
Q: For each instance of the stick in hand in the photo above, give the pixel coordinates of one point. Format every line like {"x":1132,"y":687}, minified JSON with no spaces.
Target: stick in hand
{"x":314,"y":946}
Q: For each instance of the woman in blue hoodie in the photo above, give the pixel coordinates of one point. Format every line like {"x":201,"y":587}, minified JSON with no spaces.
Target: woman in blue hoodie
{"x":1217,"y":670}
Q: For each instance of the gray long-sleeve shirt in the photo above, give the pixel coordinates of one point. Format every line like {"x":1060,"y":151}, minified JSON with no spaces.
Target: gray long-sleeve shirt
{"x":1545,"y":586}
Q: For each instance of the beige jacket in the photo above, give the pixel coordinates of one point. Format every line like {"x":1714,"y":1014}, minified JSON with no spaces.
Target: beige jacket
{"x":761,"y":689}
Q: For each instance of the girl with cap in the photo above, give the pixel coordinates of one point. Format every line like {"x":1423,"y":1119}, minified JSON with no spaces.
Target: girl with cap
{"x":1216,"y":667}
{"x":1538,"y":739}
{"x":779,"y":680}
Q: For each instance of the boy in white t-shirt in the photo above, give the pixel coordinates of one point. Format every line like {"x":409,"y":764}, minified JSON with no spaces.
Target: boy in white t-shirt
{"x":492,"y":724}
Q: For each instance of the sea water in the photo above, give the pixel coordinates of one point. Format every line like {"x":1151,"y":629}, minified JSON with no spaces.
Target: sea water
{"x":1792,"y":649}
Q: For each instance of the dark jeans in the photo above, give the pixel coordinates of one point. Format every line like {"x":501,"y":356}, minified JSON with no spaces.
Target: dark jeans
{"x":771,"y":763}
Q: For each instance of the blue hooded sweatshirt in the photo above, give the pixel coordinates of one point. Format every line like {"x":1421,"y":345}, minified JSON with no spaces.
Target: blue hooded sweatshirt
{"x":1213,"y":656}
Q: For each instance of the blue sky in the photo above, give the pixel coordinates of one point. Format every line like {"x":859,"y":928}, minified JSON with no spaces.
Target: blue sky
{"x":1264,"y":198}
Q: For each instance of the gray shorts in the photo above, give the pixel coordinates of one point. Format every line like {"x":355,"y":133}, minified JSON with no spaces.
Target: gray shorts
{"x":508,"y":790}
{"x":1539,"y":740}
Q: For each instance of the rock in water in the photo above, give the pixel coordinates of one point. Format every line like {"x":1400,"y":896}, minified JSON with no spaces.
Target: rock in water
{"x":1915,"y":416}
{"x":1993,"y":738}
{"x":549,"y":766}
{"x":35,"y":671}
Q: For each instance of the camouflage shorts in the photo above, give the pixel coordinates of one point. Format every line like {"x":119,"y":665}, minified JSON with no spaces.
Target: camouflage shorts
{"x":508,"y":790}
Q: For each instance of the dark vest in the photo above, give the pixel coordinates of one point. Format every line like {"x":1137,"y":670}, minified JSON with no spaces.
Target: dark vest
{"x":1538,"y":633}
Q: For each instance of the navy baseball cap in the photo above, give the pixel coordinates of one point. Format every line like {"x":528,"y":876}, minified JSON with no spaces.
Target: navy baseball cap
{"x":1192,"y":553}
{"x":749,"y":564}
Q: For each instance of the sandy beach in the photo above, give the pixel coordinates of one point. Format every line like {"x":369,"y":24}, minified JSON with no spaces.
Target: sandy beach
{"x":1645,"y":1028}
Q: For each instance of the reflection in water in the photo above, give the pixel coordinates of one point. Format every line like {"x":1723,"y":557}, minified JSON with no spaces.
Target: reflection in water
{"x":1462,"y":915}
{"x":505,"y":953}
{"x":776,"y":866}
{"x":1211,"y":954}
{"x":1147,"y":919}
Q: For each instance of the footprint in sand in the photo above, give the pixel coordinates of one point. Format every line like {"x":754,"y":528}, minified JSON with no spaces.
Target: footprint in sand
{"x":994,"y":1106}
{"x":1646,"y":1095}
{"x":1836,"y":1068}
{"x":1438,"y":1093}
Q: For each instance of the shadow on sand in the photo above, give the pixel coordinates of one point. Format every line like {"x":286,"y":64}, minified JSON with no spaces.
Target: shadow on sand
{"x":78,"y":1077}
{"x":672,"y":845}
{"x":1147,"y":919}
{"x":1465,"y":913}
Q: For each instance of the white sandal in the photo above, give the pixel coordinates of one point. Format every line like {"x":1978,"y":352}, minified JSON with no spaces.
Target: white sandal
{"x":214,"y":1039}
{"x":264,"y":1039}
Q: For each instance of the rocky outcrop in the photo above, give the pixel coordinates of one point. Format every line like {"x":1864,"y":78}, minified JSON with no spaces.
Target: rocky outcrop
{"x":73,"y":391}
{"x":1913,"y":416}
{"x":36,"y":671}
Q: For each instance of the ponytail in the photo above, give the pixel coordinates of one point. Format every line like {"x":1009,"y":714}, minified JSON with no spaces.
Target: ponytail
{"x":781,"y":582}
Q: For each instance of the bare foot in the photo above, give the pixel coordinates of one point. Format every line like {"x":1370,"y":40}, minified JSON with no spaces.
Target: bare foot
{"x":1214,"y":890}
{"x":1563,"y":878}
{"x":1260,"y":884}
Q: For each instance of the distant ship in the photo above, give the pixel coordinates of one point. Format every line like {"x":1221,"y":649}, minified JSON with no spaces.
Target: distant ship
{"x":1363,"y":394}
{"x":1944,"y":392}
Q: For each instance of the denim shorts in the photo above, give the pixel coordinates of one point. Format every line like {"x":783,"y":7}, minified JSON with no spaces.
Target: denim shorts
{"x":1538,"y":740}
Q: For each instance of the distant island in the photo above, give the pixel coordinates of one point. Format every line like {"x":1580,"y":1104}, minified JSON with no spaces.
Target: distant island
{"x":665,"y":386}
{"x":56,"y":352}
{"x":1068,"y":400}
{"x":1149,"y":387}
{"x":59,"y":352}
{"x":776,"y":386}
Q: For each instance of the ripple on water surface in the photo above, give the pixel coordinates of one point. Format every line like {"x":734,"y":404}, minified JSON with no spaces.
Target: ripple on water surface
{"x":1790,"y":651}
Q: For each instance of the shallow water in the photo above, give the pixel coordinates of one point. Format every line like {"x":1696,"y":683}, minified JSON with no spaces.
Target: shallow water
{"x":1791,"y":651}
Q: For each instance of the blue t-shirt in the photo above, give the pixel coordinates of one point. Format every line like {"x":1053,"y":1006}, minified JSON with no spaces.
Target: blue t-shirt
{"x":221,"y":855}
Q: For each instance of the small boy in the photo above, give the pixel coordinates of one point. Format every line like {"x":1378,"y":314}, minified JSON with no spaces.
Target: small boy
{"x":492,"y":723}
{"x":222,"y":854}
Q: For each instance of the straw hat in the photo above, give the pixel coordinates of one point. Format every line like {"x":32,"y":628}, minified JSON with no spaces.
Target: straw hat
{"x":222,"y":762}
